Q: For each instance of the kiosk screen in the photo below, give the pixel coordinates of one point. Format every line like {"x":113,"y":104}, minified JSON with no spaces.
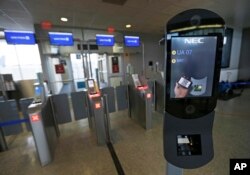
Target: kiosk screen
{"x":91,"y":86}
{"x":192,"y":66}
{"x":91,"y":83}
{"x":188,"y":145}
{"x":38,"y":93}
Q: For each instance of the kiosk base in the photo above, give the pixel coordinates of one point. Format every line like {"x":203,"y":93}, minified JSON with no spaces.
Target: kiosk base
{"x":186,"y":148}
{"x":173,"y":170}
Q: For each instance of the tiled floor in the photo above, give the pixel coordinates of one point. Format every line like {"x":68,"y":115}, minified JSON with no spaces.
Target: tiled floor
{"x":140,"y":152}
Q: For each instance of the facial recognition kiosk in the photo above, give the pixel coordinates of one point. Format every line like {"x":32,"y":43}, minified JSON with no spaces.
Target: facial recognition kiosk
{"x":194,"y":41}
{"x":140,"y":101}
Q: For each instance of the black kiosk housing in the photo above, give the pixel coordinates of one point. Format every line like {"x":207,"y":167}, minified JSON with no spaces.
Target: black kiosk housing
{"x":194,"y":41}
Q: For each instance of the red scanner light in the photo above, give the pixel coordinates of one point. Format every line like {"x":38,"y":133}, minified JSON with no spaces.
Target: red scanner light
{"x":35,"y":118}
{"x":149,"y":95}
{"x":98,"y":105}
{"x":95,"y":95}
{"x":142,"y":88}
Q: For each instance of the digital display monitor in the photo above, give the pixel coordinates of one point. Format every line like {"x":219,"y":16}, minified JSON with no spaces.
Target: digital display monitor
{"x":80,"y":85}
{"x":19,"y":37}
{"x":61,"y":39}
{"x":136,"y":80}
{"x":38,"y":93}
{"x":105,"y":40}
{"x":192,"y":66}
{"x":91,"y":84}
{"x":132,"y":41}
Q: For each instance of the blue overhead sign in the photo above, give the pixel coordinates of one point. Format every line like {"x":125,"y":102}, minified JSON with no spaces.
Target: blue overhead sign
{"x":19,"y":37}
{"x":61,"y":39}
{"x":132,"y":41}
{"x":105,"y":40}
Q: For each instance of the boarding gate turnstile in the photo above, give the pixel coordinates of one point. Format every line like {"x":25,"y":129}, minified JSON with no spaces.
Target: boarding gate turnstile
{"x":140,"y":100}
{"x":157,"y":85}
{"x":44,"y":129}
{"x":98,"y":113}
{"x":45,"y":115}
{"x":44,"y":119}
{"x":97,"y":107}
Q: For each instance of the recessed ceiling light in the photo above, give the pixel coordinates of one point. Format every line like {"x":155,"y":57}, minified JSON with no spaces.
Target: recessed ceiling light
{"x":128,"y":25}
{"x":64,"y":19}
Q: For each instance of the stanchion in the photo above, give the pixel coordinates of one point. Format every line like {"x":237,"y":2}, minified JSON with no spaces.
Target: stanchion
{"x":3,"y":143}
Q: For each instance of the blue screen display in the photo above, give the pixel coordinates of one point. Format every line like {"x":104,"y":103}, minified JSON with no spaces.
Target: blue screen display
{"x":61,"y":39}
{"x":38,"y":91}
{"x":19,"y":37}
{"x":81,"y":84}
{"x":132,"y":41}
{"x":105,"y":40}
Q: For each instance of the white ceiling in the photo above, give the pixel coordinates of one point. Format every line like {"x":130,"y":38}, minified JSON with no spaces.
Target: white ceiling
{"x":148,"y":16}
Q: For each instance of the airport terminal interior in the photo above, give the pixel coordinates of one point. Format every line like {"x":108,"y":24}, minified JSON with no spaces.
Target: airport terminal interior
{"x":143,"y":87}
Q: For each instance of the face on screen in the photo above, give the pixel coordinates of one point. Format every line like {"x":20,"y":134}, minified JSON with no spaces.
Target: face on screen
{"x":192,"y":66}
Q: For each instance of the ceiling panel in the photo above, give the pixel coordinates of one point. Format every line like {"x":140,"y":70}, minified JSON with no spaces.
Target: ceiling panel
{"x":16,"y":14}
{"x":7,"y":23}
{"x":10,"y":5}
{"x":144,"y":15}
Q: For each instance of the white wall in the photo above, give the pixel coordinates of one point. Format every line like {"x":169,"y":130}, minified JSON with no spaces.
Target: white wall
{"x":152,"y":52}
{"x":55,"y":80}
{"x":231,"y":73}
